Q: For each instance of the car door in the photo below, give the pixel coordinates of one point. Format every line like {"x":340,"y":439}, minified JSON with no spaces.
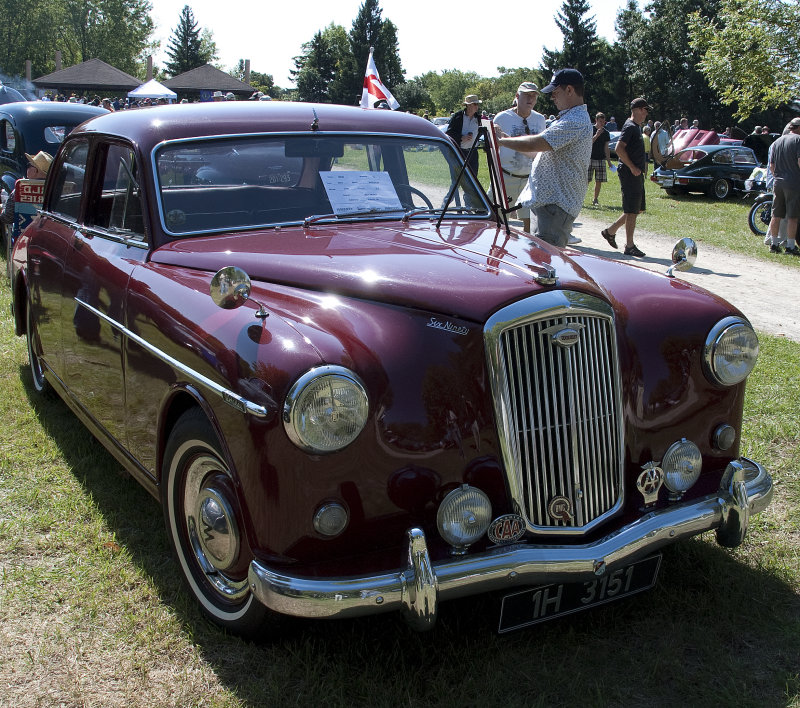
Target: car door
{"x":104,"y":251}
{"x":48,"y":249}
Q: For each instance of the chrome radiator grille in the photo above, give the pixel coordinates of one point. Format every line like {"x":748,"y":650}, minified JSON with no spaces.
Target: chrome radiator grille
{"x":558,"y":405}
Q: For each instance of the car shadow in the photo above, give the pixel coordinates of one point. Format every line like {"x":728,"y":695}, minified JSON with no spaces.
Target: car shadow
{"x":711,"y":608}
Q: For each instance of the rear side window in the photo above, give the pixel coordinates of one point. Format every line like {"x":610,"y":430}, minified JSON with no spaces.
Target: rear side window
{"x":119,"y":209}
{"x":65,"y":199}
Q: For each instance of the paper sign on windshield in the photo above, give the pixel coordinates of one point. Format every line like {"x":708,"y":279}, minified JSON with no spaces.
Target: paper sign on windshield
{"x":355,"y":191}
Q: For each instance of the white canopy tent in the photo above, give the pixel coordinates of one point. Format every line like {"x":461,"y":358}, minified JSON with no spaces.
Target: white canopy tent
{"x":152,"y":89}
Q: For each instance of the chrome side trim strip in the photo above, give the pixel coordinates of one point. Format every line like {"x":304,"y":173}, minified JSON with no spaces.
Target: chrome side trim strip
{"x":417,"y":589}
{"x":231,"y":398}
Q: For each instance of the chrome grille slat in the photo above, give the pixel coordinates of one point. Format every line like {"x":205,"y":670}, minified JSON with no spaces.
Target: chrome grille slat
{"x":559,"y":409}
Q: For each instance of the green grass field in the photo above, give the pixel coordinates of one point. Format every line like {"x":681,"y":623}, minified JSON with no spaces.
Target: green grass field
{"x":93,"y":613}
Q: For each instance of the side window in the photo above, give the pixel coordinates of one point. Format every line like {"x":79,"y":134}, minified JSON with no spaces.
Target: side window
{"x":119,"y":208}
{"x":9,"y":138}
{"x":723,"y":157}
{"x":65,"y":198}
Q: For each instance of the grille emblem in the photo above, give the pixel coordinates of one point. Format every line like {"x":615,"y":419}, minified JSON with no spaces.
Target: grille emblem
{"x":564,"y":335}
{"x":560,"y":509}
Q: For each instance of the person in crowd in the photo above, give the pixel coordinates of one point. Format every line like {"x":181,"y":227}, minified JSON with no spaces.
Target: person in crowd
{"x":218,"y":96}
{"x":646,"y":131}
{"x":38,"y":166}
{"x":630,"y":150}
{"x":463,"y":129}
{"x":106,"y":103}
{"x":757,"y":144}
{"x":612,"y":124}
{"x":696,"y":124}
{"x":600,"y":157}
{"x":784,"y":162}
{"x":557,"y":183}
{"x":520,"y":119}
{"x":684,"y":124}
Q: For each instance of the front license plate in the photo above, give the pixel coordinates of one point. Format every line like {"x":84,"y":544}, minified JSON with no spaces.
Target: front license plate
{"x":546,"y":602}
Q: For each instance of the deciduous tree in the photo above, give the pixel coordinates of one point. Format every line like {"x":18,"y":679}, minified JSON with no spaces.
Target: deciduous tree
{"x":750,"y":52}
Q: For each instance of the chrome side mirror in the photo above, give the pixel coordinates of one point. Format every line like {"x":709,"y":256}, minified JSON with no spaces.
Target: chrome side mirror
{"x":683,"y":256}
{"x":230,"y":288}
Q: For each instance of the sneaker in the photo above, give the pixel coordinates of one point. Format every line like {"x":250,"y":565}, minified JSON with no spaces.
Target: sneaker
{"x":573,"y":240}
{"x":611,"y":238}
{"x":775,"y":249}
{"x":633,"y":251}
{"x":792,"y":251}
{"x":595,"y":202}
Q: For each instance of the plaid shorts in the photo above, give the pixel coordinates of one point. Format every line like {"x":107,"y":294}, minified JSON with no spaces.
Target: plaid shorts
{"x":599,"y":169}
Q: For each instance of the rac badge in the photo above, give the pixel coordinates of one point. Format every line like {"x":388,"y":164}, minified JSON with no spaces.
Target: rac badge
{"x":560,"y":509}
{"x":506,"y":529}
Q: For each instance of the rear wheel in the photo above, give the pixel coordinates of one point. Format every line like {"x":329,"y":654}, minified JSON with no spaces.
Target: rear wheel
{"x":760,"y":216}
{"x":205,"y":527}
{"x":720,"y":189}
{"x":40,"y":384}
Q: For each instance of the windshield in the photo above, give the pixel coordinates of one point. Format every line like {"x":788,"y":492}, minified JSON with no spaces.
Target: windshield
{"x":237,"y":183}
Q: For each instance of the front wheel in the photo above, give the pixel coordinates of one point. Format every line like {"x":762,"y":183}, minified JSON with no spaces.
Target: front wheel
{"x":759,"y":217}
{"x":204,"y":523}
{"x":720,"y":189}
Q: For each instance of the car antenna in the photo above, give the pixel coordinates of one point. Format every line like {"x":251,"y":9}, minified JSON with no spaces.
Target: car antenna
{"x":315,"y":122}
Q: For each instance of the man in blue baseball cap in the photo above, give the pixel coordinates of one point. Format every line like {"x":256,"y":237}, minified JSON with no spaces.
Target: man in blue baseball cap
{"x":557,"y":182}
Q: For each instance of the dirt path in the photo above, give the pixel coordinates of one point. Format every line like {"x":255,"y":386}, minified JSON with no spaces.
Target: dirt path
{"x":765,"y":292}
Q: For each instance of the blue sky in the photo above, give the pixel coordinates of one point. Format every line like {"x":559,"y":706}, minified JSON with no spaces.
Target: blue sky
{"x":432,"y":35}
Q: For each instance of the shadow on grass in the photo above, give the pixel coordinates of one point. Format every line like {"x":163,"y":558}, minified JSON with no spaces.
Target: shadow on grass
{"x":713,"y":628}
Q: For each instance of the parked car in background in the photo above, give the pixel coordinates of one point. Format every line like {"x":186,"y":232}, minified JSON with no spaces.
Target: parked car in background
{"x":715,"y":170}
{"x":354,"y":389}
{"x":28,"y":127}
{"x":612,"y":143}
{"x":441,"y":122}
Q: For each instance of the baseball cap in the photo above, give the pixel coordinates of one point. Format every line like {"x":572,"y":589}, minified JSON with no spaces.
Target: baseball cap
{"x":564,"y":77}
{"x":639,"y":103}
{"x":528,"y":87}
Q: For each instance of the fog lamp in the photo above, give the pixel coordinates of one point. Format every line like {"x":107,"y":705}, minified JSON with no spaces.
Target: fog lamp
{"x":681,"y":466}
{"x":331,"y":519}
{"x":463,"y":517}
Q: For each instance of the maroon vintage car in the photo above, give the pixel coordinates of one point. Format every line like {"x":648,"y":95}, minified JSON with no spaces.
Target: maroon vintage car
{"x":310,"y":334}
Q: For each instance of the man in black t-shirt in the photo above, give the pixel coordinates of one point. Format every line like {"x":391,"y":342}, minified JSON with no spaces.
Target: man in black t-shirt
{"x":600,"y":155}
{"x":632,"y":163}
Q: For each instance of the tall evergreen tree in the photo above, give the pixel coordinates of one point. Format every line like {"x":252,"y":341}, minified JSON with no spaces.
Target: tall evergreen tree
{"x":185,"y":49}
{"x":370,"y":30}
{"x":581,"y":47}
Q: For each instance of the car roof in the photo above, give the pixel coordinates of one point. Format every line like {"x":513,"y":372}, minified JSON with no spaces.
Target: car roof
{"x":148,"y":127}
{"x":49,"y":109}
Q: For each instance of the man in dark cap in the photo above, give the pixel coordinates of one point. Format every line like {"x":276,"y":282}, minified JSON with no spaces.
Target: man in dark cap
{"x":557,"y":183}
{"x":632,"y":163}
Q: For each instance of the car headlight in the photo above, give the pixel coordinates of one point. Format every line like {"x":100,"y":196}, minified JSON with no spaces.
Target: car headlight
{"x":326,"y":409}
{"x":681,"y":466}
{"x":463,"y":517}
{"x":730,"y":352}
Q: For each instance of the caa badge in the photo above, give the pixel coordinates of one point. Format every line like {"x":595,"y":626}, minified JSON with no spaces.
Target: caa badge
{"x":506,"y":529}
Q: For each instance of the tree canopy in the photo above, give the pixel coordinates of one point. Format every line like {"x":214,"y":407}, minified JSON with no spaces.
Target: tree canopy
{"x":750,"y":52}
{"x":116,"y":31}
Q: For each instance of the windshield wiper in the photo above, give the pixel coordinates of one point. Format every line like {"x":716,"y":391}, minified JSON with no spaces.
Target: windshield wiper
{"x":367,"y":212}
{"x":425,"y":210}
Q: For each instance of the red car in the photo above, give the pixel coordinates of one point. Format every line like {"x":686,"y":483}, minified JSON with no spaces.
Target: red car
{"x":307,"y":331}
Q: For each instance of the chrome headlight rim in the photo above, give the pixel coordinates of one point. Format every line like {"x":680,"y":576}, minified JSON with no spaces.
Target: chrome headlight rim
{"x":719,"y":332}
{"x":291,"y":411}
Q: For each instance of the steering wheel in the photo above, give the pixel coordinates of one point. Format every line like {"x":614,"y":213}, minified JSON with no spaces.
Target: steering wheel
{"x":414,"y":190}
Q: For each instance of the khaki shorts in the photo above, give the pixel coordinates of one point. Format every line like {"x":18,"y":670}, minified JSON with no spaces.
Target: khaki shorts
{"x":785,"y":202}
{"x":514,"y":187}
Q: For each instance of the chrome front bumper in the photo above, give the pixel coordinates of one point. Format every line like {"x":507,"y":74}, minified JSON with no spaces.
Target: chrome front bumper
{"x":417,"y":589}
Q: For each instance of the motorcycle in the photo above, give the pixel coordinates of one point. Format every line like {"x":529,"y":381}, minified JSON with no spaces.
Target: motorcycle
{"x":760,"y":214}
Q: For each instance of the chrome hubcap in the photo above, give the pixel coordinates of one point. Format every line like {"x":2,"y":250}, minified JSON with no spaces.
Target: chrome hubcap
{"x":211,"y":526}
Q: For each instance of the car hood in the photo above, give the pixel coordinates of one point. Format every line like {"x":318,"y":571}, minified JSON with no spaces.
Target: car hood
{"x":465,"y":269}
